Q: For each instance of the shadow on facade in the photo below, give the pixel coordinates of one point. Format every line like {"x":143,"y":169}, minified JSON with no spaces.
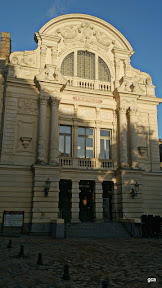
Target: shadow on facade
{"x":82,"y":188}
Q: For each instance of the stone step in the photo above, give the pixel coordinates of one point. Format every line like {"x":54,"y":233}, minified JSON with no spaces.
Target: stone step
{"x":96,"y":230}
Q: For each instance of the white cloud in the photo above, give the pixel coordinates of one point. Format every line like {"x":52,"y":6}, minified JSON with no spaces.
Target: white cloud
{"x":57,"y":7}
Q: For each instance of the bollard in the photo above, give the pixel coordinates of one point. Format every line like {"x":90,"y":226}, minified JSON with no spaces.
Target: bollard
{"x":104,"y":284}
{"x":39,"y":261}
{"x":9,"y":244}
{"x":21,"y":253}
{"x":66,"y":275}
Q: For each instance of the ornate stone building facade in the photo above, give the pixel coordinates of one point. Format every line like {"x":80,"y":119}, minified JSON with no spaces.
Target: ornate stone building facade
{"x":76,"y":113}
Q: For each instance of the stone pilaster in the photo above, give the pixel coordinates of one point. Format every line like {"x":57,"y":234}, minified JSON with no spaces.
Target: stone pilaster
{"x":98,"y":201}
{"x":75,"y":140}
{"x":75,"y":202}
{"x":43,"y":55}
{"x":53,"y":156}
{"x":117,"y":69}
{"x":133,"y":136}
{"x":127,"y":68}
{"x":123,"y":136}
{"x":42,"y":128}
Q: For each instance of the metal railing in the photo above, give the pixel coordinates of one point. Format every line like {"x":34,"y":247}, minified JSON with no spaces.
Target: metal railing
{"x":130,"y":231}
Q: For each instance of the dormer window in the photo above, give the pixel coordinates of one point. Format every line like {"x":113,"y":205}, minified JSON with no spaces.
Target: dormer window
{"x":87,"y":62}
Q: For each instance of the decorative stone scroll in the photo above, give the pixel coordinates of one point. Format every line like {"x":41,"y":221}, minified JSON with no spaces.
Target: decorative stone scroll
{"x":127,"y":85}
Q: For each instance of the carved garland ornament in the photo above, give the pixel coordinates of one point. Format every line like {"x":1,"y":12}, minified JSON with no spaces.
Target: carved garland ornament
{"x":28,"y":106}
{"x":85,"y":33}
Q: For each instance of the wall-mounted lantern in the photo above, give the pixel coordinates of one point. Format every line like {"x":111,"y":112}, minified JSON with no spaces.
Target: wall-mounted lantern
{"x":47,"y":187}
{"x":135,"y":191}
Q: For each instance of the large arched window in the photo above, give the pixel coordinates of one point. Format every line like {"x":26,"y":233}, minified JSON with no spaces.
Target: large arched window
{"x":67,"y":66}
{"x":103,"y":71}
{"x":86,"y":66}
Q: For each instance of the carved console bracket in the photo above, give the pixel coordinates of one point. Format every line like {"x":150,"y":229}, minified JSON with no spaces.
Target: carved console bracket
{"x":142,"y":150}
{"x":25,"y":141}
{"x":50,"y":79}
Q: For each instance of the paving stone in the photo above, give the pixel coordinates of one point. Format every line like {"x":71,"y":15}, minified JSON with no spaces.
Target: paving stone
{"x":125,"y":262}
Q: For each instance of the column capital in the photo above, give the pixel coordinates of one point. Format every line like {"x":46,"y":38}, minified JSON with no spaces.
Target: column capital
{"x":43,"y":49}
{"x":132,"y":110}
{"x":55,"y":101}
{"x":43,"y":99}
{"x":121,"y":109}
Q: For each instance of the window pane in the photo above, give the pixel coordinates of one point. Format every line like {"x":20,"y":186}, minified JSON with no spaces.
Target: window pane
{"x":89,"y":131}
{"x":102,"y":156}
{"x":65,"y":129}
{"x":61,"y":145}
{"x":103,"y":71}
{"x":105,"y":133}
{"x":67,"y":66}
{"x":89,"y":153}
{"x":86,"y":65}
{"x":68,"y":146}
{"x":107,"y":149}
{"x":81,"y":131}
{"x":81,"y":147}
{"x":89,"y":142}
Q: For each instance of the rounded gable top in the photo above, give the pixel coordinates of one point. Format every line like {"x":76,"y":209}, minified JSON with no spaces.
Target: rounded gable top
{"x":71,"y":25}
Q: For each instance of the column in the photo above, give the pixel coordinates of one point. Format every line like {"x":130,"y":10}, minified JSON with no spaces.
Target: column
{"x":42,"y":128}
{"x":75,"y":202}
{"x":123,"y":137}
{"x":98,"y":201}
{"x":54,"y":134}
{"x":133,"y":137}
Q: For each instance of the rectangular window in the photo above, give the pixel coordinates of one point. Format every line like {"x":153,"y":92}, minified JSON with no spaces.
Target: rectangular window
{"x":85,"y":142}
{"x":105,"y":138}
{"x":65,"y":141}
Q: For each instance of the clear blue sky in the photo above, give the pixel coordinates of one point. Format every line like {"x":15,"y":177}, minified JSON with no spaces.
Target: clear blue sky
{"x":140,"y":21}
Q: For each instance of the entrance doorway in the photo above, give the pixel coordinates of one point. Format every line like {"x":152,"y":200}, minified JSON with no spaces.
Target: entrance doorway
{"x":86,"y":204}
{"x":107,"y":187}
{"x":65,"y":187}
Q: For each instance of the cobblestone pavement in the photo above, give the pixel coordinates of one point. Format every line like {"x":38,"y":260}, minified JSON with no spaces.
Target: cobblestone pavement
{"x":124,"y":262}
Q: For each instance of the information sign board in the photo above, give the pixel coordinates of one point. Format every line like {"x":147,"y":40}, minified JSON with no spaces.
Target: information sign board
{"x":13,"y":218}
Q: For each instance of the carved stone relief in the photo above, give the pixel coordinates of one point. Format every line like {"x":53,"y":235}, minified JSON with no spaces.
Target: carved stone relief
{"x":26,"y":58}
{"x":26,"y":136}
{"x":66,"y":109}
{"x":27,"y":106}
{"x":84,"y":35}
{"x":87,"y":112}
{"x":106,"y":115}
{"x":127,"y":85}
{"x":142,"y":119}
